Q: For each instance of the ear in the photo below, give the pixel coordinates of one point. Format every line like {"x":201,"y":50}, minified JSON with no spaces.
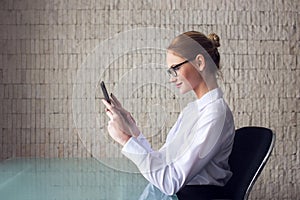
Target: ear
{"x":200,"y":62}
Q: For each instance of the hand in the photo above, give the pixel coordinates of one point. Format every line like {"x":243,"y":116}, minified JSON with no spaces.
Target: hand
{"x":121,"y":125}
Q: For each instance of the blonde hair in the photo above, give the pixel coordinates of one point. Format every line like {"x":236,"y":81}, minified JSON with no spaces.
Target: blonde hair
{"x":189,"y":44}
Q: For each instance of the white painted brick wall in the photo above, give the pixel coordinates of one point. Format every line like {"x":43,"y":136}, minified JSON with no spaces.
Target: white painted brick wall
{"x":43,"y":44}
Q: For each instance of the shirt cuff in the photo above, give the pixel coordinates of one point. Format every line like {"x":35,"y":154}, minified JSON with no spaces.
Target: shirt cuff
{"x":132,"y":146}
{"x":140,"y":136}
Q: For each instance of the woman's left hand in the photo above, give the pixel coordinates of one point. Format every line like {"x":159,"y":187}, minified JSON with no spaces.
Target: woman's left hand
{"x":121,"y":125}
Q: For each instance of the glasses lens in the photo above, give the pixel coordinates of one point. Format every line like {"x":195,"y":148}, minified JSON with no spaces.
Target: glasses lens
{"x":172,"y":72}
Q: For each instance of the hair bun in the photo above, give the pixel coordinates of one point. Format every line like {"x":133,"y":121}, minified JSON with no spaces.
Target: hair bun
{"x":215,"y":39}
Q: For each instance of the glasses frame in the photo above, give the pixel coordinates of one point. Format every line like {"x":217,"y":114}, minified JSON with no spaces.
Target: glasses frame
{"x":172,"y":71}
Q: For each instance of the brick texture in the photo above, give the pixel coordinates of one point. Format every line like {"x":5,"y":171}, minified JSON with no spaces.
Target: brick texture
{"x":50,"y":73}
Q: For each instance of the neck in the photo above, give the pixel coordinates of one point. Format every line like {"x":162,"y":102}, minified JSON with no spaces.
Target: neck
{"x":205,"y":86}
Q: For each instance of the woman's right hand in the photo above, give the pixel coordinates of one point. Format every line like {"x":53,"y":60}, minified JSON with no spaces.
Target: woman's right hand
{"x":126,"y":121}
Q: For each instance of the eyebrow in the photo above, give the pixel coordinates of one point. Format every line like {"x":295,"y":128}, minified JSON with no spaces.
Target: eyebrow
{"x":179,"y":64}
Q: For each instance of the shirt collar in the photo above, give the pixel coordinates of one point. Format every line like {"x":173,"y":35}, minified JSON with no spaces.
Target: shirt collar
{"x":206,"y":99}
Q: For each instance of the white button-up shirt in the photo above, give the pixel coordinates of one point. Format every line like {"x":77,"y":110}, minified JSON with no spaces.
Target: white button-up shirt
{"x":196,"y":150}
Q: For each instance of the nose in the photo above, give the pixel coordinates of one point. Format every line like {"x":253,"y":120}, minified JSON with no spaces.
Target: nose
{"x":172,"y":79}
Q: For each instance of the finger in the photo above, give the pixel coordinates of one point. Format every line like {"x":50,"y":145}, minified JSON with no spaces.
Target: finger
{"x":108,"y":105}
{"x":110,"y":108}
{"x":109,"y":114}
{"x":116,"y":101}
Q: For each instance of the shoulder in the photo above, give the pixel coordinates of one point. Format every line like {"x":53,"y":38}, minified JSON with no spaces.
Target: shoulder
{"x":216,"y":113}
{"x":217,"y":107}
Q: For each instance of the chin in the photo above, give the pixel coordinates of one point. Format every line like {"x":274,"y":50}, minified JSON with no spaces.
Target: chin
{"x":184,"y":90}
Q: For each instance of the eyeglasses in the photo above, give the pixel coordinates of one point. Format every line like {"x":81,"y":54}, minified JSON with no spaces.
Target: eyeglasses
{"x":172,"y":70}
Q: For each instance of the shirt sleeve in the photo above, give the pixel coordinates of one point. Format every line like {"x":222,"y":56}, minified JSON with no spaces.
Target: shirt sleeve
{"x":180,"y":160}
{"x":144,"y":142}
{"x":138,"y":145}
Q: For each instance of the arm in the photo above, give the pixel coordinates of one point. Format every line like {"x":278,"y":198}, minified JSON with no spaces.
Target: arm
{"x":178,"y":162}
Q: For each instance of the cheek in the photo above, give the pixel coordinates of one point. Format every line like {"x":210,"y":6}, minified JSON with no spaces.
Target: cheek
{"x":191,"y":75}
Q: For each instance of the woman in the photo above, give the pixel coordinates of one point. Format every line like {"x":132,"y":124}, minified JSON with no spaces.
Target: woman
{"x":197,"y":147}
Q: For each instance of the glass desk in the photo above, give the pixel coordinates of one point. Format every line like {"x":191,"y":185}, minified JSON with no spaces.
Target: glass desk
{"x":71,"y":179}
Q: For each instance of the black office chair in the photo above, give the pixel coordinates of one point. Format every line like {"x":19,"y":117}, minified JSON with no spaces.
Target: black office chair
{"x":251,"y":150}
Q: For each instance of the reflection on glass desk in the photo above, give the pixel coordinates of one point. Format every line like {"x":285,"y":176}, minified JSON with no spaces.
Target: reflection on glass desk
{"x":72,"y":178}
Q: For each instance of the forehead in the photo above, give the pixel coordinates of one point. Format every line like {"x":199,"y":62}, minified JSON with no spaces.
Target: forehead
{"x":173,"y":59}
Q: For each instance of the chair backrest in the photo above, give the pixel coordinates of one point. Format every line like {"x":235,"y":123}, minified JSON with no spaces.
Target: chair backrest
{"x":251,"y":150}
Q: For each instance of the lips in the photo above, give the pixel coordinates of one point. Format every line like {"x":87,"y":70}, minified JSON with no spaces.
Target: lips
{"x":178,"y":85}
